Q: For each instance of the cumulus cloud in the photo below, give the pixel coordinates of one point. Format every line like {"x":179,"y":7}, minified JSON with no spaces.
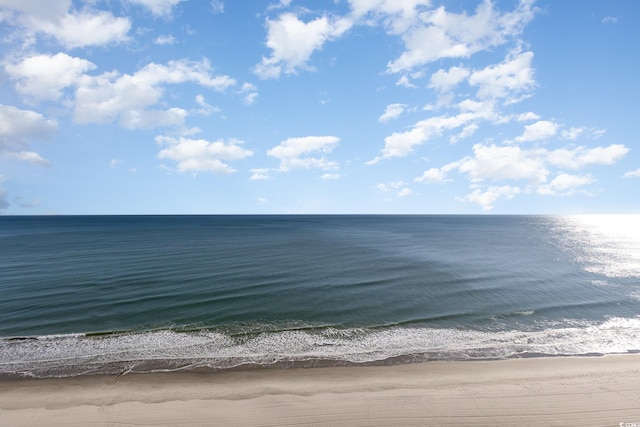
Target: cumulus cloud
{"x":249,"y":93}
{"x":71,"y":29}
{"x":111,"y":96}
{"x":405,"y":192}
{"x":157,"y":7}
{"x":401,"y":144}
{"x":432,"y":175}
{"x":217,"y":7}
{"x":532,"y":167}
{"x":292,"y":42}
{"x":43,"y":77}
{"x":391,"y":112}
{"x":200,"y":155}
{"x":633,"y":174}
{"x":17,"y":127}
{"x":205,"y":109}
{"x":579,"y":157}
{"x":565,"y":184}
{"x":280,"y":5}
{"x":444,"y":81}
{"x":165,"y":40}
{"x":527,"y":117}
{"x":488,"y":198}
{"x":398,"y":187}
{"x":396,"y":16}
{"x":296,"y":153}
{"x":575,"y":132}
{"x":441,"y":34}
{"x":495,"y":163}
{"x":29,"y":157}
{"x":505,"y":80}
{"x":260,"y":174}
{"x":540,"y":130}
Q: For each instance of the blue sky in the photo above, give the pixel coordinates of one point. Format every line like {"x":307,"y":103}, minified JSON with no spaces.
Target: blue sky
{"x":346,"y":106}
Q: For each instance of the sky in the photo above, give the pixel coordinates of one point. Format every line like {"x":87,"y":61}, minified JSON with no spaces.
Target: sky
{"x":319,"y":107}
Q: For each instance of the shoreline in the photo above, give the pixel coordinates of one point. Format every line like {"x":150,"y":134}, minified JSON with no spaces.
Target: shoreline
{"x":530,"y":391}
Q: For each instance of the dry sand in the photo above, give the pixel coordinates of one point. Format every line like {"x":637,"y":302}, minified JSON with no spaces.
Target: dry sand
{"x":592,"y":391}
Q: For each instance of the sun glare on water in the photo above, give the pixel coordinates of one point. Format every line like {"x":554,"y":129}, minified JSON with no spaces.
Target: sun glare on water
{"x":605,"y":244}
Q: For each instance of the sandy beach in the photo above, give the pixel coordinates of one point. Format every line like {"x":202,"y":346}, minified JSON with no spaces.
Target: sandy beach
{"x":590,"y":391}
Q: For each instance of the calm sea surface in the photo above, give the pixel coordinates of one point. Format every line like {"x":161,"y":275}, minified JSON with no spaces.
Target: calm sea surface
{"x":109,"y":294}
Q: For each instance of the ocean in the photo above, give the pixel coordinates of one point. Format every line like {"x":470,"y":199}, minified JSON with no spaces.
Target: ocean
{"x":82,"y":295}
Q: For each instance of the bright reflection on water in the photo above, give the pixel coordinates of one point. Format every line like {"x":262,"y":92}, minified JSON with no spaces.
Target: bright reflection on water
{"x":604,"y":244}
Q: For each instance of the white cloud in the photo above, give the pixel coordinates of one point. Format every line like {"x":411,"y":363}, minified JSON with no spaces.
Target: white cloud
{"x":527,"y":117}
{"x":572,"y":133}
{"x":504,"y":82}
{"x":260,"y":174}
{"x":217,"y":7}
{"x":165,"y":40}
{"x":29,"y":157}
{"x":293,"y":153}
{"x":44,"y":77}
{"x":580,"y":157}
{"x":510,"y":163}
{"x":432,"y":175}
{"x":441,"y":34}
{"x":506,"y":79}
{"x":331,"y":176}
{"x":404,"y":81}
{"x":391,"y":112}
{"x":200,"y":155}
{"x":293,"y":41}
{"x":542,"y":129}
{"x":205,"y":108}
{"x":250,"y":93}
{"x":576,"y":132}
{"x":496,"y":163}
{"x":467,"y":132}
{"x":444,"y":81}
{"x":488,"y":198}
{"x":397,"y":15}
{"x":149,"y":119}
{"x":39,"y":9}
{"x":609,"y":20}
{"x":400,"y":144}
{"x":71,"y":29}
{"x":19,"y":126}
{"x":565,"y":184}
{"x":405,"y":192}
{"x":394,"y":185}
{"x":633,"y":174}
{"x":88,"y":29}
{"x":157,"y":7}
{"x":280,"y":5}
{"x":110,"y":96}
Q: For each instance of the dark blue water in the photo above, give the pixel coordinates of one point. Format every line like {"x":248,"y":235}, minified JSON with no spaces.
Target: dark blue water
{"x":102,"y":294}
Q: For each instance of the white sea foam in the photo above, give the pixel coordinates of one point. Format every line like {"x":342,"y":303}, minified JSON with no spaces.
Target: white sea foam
{"x":169,"y":350}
